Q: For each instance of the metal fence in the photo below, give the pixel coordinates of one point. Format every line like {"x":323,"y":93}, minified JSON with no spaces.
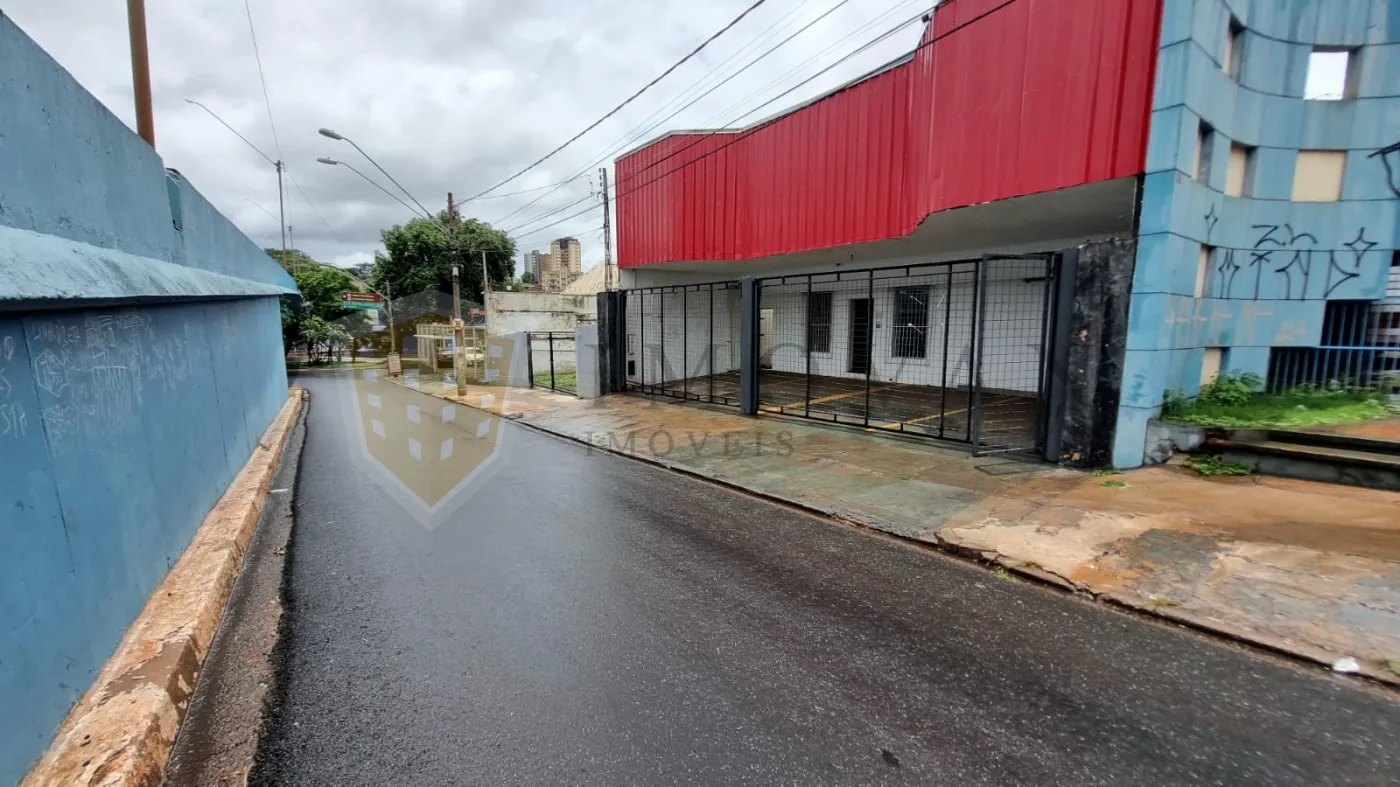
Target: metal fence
{"x":553,"y":361}
{"x":953,"y":351}
{"x":1359,"y":351}
{"x":683,"y":342}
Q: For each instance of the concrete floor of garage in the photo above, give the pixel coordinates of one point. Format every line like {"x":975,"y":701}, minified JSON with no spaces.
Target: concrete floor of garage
{"x":1304,"y":568}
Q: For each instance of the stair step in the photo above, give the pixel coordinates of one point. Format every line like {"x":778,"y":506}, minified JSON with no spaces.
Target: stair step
{"x":1329,"y":440}
{"x":1323,"y":453}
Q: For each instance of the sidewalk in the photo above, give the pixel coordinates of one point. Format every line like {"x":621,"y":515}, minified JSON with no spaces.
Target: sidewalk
{"x":1305,"y":568}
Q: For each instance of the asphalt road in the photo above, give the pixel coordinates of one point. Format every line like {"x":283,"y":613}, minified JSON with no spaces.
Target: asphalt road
{"x":577,"y":618}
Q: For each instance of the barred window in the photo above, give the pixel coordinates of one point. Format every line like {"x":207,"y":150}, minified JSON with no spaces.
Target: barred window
{"x":819,"y":322}
{"x":910,"y":322}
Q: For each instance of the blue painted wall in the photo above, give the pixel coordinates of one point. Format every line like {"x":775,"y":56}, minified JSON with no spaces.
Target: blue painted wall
{"x":1277,"y":262}
{"x":121,"y":425}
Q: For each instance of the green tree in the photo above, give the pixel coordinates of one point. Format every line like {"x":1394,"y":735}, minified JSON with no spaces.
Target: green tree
{"x":418,"y":256}
{"x":321,"y":286}
{"x":528,"y":277}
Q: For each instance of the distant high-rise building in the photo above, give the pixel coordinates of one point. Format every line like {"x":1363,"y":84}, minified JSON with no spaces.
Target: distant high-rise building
{"x":563,"y":265}
{"x":532,"y":264}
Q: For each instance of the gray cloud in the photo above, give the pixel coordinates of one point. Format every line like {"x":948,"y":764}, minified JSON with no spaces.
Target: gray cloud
{"x":447,"y":96}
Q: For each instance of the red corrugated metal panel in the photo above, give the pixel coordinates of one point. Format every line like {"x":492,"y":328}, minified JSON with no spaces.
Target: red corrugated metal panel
{"x":1036,"y":95}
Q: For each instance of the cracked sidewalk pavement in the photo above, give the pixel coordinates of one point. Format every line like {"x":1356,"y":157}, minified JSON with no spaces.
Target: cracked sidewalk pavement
{"x":1299,"y":567}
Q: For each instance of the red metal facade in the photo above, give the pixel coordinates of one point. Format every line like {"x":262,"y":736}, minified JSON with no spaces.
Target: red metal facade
{"x":1034,"y":96}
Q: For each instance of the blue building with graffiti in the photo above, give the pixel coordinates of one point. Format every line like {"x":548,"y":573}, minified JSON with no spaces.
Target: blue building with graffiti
{"x":1269,"y":216}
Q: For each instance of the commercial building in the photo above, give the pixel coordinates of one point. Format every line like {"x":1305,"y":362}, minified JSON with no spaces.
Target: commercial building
{"x":1024,"y":233}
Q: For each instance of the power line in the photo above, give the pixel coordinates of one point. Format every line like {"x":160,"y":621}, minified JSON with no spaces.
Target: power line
{"x":314,"y":209}
{"x":838,"y":62}
{"x":629,"y":100}
{"x":530,"y":191}
{"x":642,"y":129}
{"x":749,"y":132}
{"x":641,"y":132}
{"x":257,"y":55}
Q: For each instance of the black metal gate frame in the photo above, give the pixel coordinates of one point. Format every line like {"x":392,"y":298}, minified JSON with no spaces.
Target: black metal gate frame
{"x":661,"y":388}
{"x":549,"y":336}
{"x":972,"y":434}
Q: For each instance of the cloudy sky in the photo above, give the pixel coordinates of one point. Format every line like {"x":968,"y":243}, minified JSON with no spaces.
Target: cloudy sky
{"x":448,"y":95}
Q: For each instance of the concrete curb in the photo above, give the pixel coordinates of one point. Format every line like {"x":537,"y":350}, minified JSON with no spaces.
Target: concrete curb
{"x":122,"y":730}
{"x":1124,"y":601}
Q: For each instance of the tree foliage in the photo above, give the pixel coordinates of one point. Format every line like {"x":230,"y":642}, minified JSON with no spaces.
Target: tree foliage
{"x":320,"y":324}
{"x":528,"y":277}
{"x":418,"y":256}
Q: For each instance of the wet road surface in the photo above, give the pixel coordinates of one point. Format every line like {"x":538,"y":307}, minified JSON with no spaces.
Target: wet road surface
{"x":570,"y":617}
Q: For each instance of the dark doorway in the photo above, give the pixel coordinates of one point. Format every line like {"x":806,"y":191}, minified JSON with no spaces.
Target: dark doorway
{"x":860,"y":336}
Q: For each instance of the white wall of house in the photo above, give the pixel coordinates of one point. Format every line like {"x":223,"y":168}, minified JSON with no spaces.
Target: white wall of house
{"x":1011,"y":327}
{"x":700,"y":334}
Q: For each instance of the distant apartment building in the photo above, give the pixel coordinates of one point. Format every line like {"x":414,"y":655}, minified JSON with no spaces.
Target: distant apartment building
{"x":562,"y":265}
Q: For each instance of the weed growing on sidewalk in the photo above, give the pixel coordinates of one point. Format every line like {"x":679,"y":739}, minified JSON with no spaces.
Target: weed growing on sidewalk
{"x":1165,"y":602}
{"x":1213,"y":465}
{"x":1393,"y":665}
{"x":1103,"y":471}
{"x":1115,"y":484}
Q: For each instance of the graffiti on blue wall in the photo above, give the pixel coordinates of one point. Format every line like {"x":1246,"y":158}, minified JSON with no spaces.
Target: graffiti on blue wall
{"x":1384,"y":155}
{"x":1296,"y":267}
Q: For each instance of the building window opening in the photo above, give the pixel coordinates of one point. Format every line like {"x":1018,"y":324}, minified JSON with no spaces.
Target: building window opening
{"x":1205,"y":140}
{"x":1239,"y":179}
{"x":910,"y":322}
{"x":1234,"y":49}
{"x":1203,"y":270}
{"x":819,"y":322}
{"x":1330,"y":74}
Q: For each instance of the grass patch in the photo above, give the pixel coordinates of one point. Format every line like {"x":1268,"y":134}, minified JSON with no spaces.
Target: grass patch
{"x":1164,"y":601}
{"x":1235,"y":401}
{"x":1003,"y":574}
{"x":1214,"y":465}
{"x":1103,"y":471}
{"x":563,"y":381}
{"x":1393,"y":665}
{"x":1115,"y":484}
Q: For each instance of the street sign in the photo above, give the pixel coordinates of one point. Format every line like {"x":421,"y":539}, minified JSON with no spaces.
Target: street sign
{"x":362,"y":301}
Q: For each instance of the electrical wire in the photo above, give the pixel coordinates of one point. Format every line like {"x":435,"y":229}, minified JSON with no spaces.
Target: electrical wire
{"x":629,"y":100}
{"x":257,"y":55}
{"x":838,"y":62}
{"x":739,"y":137}
{"x":641,"y":132}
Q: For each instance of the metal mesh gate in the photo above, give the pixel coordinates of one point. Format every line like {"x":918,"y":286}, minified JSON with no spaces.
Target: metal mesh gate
{"x":683,"y":342}
{"x":553,"y":360}
{"x":953,"y":351}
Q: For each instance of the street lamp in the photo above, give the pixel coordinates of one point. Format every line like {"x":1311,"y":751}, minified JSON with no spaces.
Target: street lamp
{"x":325,"y":132}
{"x":332,"y":162}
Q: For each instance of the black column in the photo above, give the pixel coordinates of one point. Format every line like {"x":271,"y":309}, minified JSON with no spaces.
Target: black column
{"x":748,"y":346}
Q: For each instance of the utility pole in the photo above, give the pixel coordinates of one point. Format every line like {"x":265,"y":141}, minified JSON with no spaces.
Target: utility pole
{"x":392,"y":358}
{"x":141,"y":70}
{"x":459,"y":331}
{"x":607,"y":234}
{"x":282,"y":217}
